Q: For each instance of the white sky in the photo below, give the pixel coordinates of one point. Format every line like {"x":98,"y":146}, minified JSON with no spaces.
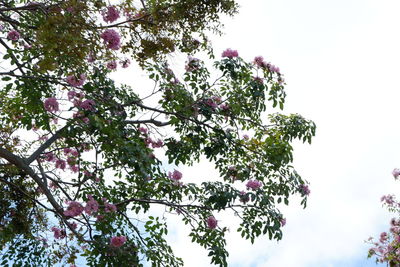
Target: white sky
{"x":341,"y":62}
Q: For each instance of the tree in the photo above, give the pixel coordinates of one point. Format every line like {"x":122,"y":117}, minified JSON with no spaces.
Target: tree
{"x":76,"y":148}
{"x":386,"y":249}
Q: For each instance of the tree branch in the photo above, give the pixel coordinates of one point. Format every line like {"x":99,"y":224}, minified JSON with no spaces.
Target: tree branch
{"x":45,"y":145}
{"x":155,"y":122}
{"x":22,"y":165}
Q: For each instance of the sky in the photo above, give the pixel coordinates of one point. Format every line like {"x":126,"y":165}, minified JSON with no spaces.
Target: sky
{"x":341,"y":63}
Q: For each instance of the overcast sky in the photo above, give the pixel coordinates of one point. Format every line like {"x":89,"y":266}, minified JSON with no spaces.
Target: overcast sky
{"x":341,"y":62}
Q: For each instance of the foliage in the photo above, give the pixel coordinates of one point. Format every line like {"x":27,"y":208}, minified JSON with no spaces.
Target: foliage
{"x":386,"y":249}
{"x":81,"y":155}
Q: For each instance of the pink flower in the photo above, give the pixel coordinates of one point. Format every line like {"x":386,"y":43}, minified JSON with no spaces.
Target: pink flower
{"x":224,"y":106}
{"x":396,"y":173}
{"x":88,"y":104}
{"x":74,"y":81}
{"x":148,"y":141}
{"x":58,"y":233}
{"x":125,"y":63}
{"x":112,"y":65}
{"x":50,"y":156}
{"x":110,"y":207}
{"x":192,"y":64}
{"x":283,"y":222}
{"x":73,"y":225}
{"x":111,"y":39}
{"x":304,"y":190}
{"x":274,"y":68}
{"x":253,"y":184}
{"x":210,"y":102}
{"x":383,"y":237}
{"x":111,"y":14}
{"x":157,"y":144}
{"x":60,"y":164}
{"x":71,"y":95}
{"x":229,"y":53}
{"x":117,"y":241}
{"x":74,"y":168}
{"x":74,"y":209}
{"x":143,"y":130}
{"x":51,"y":104}
{"x":67,"y":150}
{"x":212,"y":222}
{"x":259,"y":62}
{"x":74,"y":153}
{"x":91,"y":206}
{"x":91,"y":58}
{"x":13,"y":35}
{"x":176,"y":175}
{"x":389,"y":199}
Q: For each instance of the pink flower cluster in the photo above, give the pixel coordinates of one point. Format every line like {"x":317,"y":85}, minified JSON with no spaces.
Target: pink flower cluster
{"x":215,"y":102}
{"x":176,"y":175}
{"x":259,"y":62}
{"x":108,"y":207}
{"x":155,"y":144}
{"x":229,"y":53}
{"x":389,"y":200}
{"x":60,"y":164}
{"x":110,"y":14}
{"x":13,"y":35}
{"x":51,"y":104}
{"x":212,"y":222}
{"x":125,"y":63}
{"x":70,"y":151}
{"x":92,"y":206}
{"x":253,"y":184}
{"x":192,"y":64}
{"x":111,"y":39}
{"x":117,"y":241}
{"x":112,"y":65}
{"x":143,"y":130}
{"x":386,"y":249}
{"x":49,"y":157}
{"x":396,"y":173}
{"x":72,"y":95}
{"x":76,"y":81}
{"x":74,"y":209}
{"x":58,"y":233}
{"x":88,"y":104}
{"x":304,"y":190}
{"x":148,"y":140}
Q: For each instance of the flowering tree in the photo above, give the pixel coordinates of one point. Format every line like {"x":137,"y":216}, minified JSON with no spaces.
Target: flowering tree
{"x":78,"y":168}
{"x":387,"y":248}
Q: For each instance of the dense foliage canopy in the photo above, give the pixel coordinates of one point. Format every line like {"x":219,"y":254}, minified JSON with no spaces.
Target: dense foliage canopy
{"x":78,"y":164}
